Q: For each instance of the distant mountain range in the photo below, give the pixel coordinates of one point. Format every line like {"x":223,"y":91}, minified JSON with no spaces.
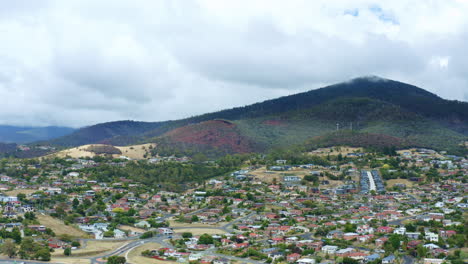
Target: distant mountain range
{"x":367,"y":112}
{"x":22,"y":135}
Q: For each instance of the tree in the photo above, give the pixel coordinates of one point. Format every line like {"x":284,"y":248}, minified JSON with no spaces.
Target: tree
{"x":116,"y":260}
{"x":205,"y":239}
{"x":187,"y":235}
{"x":21,"y":197}
{"x":67,"y":251}
{"x":42,"y":254}
{"x":75,"y":203}
{"x":9,"y":248}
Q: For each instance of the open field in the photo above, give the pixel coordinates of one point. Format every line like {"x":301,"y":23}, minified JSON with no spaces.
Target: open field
{"x":92,"y":248}
{"x":267,"y":176}
{"x":333,"y":151}
{"x":133,"y":152}
{"x":135,"y":257}
{"x":59,"y":227}
{"x":15,"y":192}
{"x":392,"y":182}
{"x":201,"y":231}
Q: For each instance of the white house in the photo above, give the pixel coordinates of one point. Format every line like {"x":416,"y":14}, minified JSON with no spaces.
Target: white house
{"x":305,"y":261}
{"x":433,"y":237}
{"x":400,"y":230}
{"x":328,"y":249}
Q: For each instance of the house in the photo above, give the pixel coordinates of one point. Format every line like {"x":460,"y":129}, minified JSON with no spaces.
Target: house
{"x":433,"y":261}
{"x":221,"y":261}
{"x":344,"y":252}
{"x":365,"y":229}
{"x":433,"y":237}
{"x":400,"y":231}
{"x":335,"y":234}
{"x":372,"y":257}
{"x":381,"y":241}
{"x":292,"y":257}
{"x":305,"y":261}
{"x":350,"y":236}
{"x":413,"y":235}
{"x":328,"y":249}
{"x":384,"y":229}
{"x":388,"y":260}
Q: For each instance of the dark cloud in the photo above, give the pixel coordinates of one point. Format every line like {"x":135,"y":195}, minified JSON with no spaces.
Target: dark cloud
{"x":81,"y":62}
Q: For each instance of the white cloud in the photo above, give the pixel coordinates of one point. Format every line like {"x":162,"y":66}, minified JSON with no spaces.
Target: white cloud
{"x":81,"y":62}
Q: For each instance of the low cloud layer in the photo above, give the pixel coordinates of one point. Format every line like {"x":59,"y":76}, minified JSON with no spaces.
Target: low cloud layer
{"x":77,"y":63}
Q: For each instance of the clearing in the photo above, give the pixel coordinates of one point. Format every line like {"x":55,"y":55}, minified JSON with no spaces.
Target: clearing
{"x":59,"y":227}
{"x":134,"y":255}
{"x":133,"y":152}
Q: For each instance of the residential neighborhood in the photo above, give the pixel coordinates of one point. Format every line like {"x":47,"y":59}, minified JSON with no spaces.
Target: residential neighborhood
{"x":359,"y":207}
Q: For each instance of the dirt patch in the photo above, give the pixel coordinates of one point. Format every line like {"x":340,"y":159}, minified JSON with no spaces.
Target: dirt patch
{"x":59,"y":227}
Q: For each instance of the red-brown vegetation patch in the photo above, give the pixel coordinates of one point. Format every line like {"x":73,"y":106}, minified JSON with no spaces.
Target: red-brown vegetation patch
{"x":213,"y":133}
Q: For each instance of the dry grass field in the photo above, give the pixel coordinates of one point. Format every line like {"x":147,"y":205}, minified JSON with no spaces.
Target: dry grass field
{"x":392,"y":182}
{"x":267,"y":176}
{"x":133,"y":152}
{"x":173,"y":223}
{"x":333,"y":151}
{"x":59,"y":227}
{"x":15,"y":192}
{"x":201,"y":231}
{"x":135,"y":257}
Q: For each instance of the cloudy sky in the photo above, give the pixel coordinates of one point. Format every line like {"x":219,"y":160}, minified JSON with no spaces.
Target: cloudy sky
{"x":81,"y":62}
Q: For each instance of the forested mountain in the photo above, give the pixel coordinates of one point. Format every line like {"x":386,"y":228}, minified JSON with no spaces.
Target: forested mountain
{"x":374,"y":106}
{"x":21,"y":135}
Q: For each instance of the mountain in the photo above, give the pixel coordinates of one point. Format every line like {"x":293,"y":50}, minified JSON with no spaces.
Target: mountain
{"x":22,"y":135}
{"x":104,"y":133}
{"x":373,"y":109}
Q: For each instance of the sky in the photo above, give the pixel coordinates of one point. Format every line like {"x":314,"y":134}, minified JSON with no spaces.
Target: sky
{"x":78,"y":63}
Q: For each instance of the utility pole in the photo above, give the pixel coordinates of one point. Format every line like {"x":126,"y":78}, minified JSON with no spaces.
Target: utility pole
{"x":337,"y":126}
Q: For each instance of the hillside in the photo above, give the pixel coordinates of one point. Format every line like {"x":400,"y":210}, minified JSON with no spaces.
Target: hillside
{"x":22,"y":135}
{"x":215,"y":136}
{"x":368,"y":105}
